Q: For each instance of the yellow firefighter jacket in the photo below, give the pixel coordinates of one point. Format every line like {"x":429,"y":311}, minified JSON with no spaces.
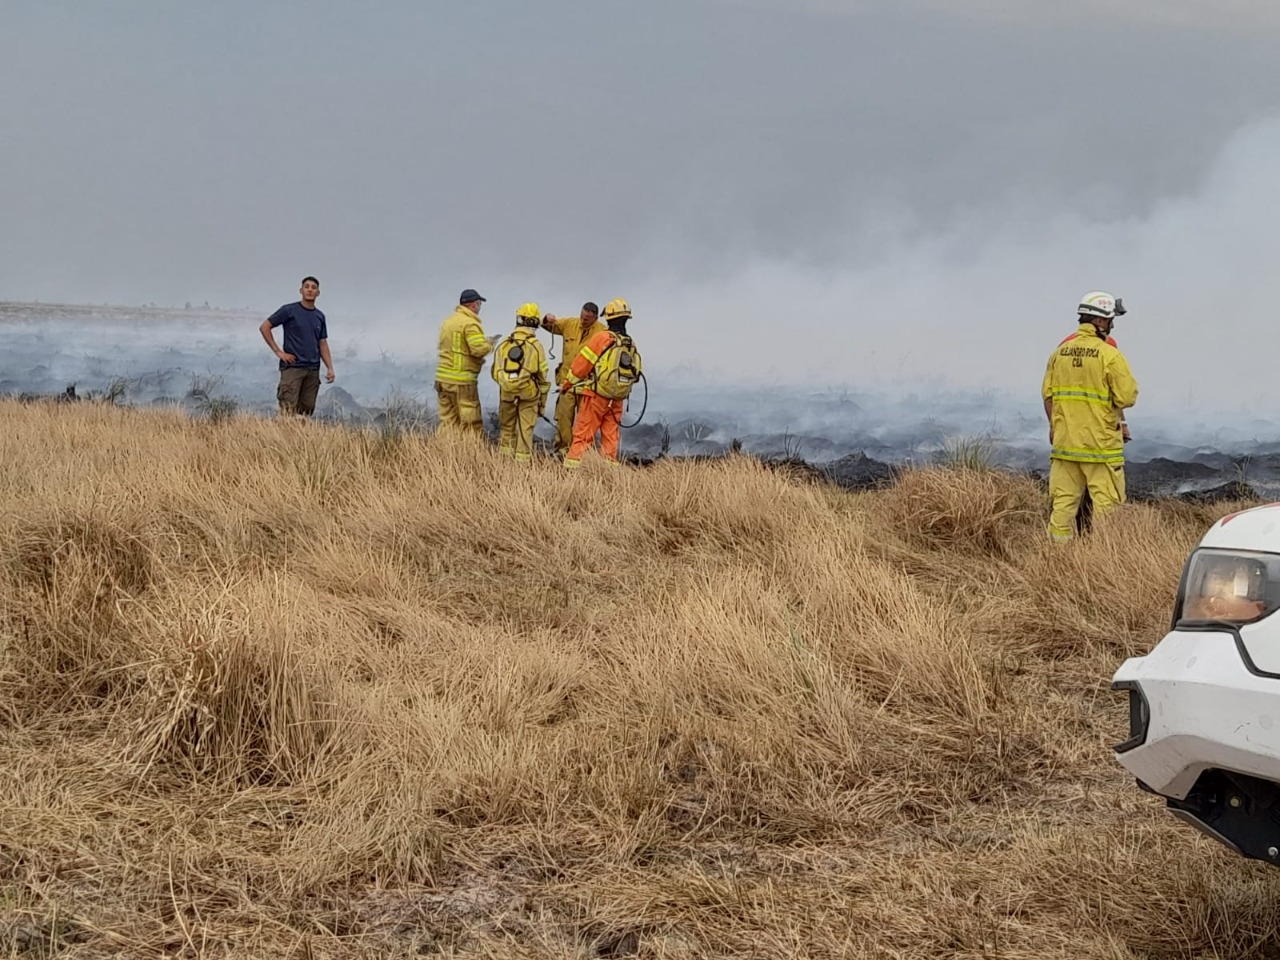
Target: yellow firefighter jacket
{"x":572,"y":329}
{"x":1088,"y":382}
{"x":463,"y":347}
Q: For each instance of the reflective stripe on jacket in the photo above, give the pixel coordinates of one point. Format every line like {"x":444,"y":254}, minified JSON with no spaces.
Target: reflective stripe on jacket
{"x":586,"y":359}
{"x":463,"y":347}
{"x":1088,"y":382}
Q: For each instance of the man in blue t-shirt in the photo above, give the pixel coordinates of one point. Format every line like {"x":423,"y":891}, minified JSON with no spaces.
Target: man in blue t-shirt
{"x":306,"y":344}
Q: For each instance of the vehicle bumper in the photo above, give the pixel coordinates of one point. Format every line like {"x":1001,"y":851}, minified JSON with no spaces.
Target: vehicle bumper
{"x":1194,"y":706}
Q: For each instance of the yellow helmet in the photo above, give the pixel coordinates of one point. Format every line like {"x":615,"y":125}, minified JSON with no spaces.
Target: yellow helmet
{"x":617,"y":310}
{"x":529,"y":311}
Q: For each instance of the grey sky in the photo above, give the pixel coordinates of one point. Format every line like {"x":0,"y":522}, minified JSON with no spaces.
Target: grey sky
{"x":817,"y":188}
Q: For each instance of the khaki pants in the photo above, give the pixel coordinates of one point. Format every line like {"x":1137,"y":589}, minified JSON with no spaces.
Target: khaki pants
{"x":459,"y":405}
{"x":516,"y":420}
{"x":566,"y":405}
{"x":1068,"y":481}
{"x":297,"y":392}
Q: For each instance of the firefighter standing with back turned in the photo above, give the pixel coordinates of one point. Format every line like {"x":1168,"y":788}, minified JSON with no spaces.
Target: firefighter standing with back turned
{"x":520,"y":370}
{"x":575,"y":331}
{"x":1087,"y":385}
{"x":1084,"y":516}
{"x":603,"y":373}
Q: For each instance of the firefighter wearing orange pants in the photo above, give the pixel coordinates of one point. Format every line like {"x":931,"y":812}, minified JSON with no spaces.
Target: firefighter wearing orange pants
{"x":463,"y":347}
{"x":603,"y":373}
{"x":574,"y":331}
{"x":1087,"y":384}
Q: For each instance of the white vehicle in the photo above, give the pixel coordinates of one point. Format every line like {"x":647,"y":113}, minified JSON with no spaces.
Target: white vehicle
{"x":1204,"y":705}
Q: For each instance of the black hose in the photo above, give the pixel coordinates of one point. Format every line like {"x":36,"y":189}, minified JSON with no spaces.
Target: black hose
{"x":643,"y":407}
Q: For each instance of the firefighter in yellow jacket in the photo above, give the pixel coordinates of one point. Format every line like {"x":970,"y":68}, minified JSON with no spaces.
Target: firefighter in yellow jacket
{"x":1087,"y":383}
{"x":520,"y":370}
{"x":463,"y":347}
{"x":576,"y":331}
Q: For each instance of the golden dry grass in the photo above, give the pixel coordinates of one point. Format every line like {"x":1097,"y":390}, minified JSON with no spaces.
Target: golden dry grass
{"x":279,"y":690}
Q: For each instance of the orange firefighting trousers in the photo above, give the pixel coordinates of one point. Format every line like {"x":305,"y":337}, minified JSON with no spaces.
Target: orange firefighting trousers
{"x":595,"y":413}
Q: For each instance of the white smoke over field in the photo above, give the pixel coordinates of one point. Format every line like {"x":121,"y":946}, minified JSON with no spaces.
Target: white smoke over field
{"x":980,"y":306}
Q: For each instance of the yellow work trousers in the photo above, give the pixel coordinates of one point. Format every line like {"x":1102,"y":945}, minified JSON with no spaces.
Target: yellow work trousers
{"x":459,"y":405}
{"x":1068,"y":481}
{"x":516,"y":420}
{"x":566,"y":404}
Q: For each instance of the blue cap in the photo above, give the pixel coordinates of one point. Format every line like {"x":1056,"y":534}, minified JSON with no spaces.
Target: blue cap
{"x":470,"y":296}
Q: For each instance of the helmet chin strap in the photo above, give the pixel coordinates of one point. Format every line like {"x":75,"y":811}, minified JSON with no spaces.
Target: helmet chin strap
{"x":1098,"y":324}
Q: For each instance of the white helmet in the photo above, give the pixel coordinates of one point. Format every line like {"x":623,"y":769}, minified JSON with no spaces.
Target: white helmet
{"x":1097,"y":304}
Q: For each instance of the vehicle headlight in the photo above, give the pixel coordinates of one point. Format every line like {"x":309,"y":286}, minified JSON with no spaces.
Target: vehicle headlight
{"x":1233,"y":585}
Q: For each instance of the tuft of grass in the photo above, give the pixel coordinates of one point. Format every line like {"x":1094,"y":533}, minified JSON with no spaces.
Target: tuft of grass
{"x":792,"y":448}
{"x":116,"y":390}
{"x":975,"y":454}
{"x":231,"y":699}
{"x":204,"y":385}
{"x":665,"y":446}
{"x":220,"y":409}
{"x":977,"y":511}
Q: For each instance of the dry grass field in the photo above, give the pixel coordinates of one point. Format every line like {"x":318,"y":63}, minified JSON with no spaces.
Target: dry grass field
{"x":273,"y":689}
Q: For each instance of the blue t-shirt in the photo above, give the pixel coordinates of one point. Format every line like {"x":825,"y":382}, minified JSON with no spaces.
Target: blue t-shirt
{"x":303,"y":331}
